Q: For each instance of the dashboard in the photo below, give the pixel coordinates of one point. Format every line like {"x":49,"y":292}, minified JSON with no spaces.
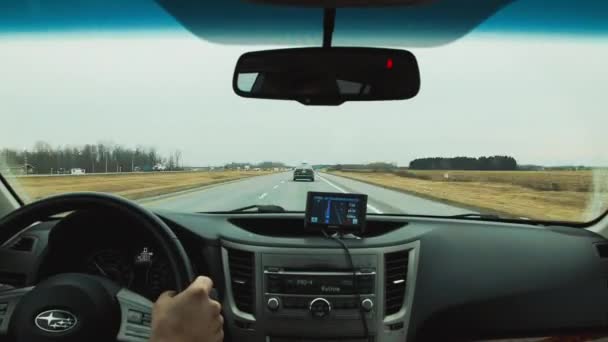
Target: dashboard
{"x":415,"y":278}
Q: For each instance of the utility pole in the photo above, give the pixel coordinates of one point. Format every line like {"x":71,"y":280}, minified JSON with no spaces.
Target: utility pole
{"x":25,"y":161}
{"x":5,"y":163}
{"x":106,"y":154}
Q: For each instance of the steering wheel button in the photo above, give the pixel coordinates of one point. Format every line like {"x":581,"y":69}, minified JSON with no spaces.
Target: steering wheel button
{"x":134,"y":317}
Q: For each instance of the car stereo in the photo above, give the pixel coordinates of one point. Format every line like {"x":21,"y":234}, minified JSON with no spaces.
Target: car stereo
{"x":331,"y":294}
{"x":302,"y":283}
{"x":336,"y":211}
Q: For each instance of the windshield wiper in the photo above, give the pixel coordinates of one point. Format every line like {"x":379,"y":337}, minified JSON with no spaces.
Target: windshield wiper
{"x":262,"y":208}
{"x":479,"y":216}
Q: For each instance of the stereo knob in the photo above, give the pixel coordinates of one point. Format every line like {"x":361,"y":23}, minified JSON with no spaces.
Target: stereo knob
{"x":320,"y":307}
{"x":273,"y":304}
{"x":367,"y":305}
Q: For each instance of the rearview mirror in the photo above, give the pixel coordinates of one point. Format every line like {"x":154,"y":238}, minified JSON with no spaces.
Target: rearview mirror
{"x":327,"y":76}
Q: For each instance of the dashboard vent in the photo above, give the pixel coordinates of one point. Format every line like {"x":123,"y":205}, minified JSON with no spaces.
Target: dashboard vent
{"x":395,"y":270}
{"x":241,"y":265}
{"x":11,"y":279}
{"x":602,"y":250}
{"x":23,"y":244}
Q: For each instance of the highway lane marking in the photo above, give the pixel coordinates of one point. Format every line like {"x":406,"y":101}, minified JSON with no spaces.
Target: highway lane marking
{"x":282,"y":182}
{"x":263,"y":195}
{"x":156,"y":200}
{"x":276,"y":186}
{"x":374,"y":209}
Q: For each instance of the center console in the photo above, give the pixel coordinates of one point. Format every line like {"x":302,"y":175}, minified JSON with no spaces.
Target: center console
{"x":312,"y":294}
{"x":320,"y":294}
{"x":318,"y":291}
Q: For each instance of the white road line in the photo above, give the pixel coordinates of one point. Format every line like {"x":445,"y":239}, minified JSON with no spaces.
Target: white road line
{"x":333,"y":185}
{"x":263,"y":195}
{"x":374,"y":209}
{"x":282,"y":182}
{"x":369,"y":206}
{"x":276,"y":186}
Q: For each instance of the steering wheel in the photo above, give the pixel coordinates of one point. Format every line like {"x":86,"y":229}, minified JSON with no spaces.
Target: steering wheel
{"x":80,"y":307}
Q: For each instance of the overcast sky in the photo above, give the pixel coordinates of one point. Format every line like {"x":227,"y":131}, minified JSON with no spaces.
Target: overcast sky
{"x":542,"y":100}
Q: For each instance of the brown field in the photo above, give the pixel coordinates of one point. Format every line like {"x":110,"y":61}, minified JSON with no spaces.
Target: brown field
{"x":579,"y":181}
{"x":133,"y":186}
{"x":544,"y":195}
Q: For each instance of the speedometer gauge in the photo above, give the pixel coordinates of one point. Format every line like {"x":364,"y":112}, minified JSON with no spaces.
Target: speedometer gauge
{"x":111,"y":264}
{"x":159,"y":278}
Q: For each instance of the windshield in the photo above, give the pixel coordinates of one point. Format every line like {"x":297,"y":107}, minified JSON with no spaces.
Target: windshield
{"x":510,"y":118}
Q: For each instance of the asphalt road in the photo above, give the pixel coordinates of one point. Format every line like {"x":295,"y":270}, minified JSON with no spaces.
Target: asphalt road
{"x":280,"y":189}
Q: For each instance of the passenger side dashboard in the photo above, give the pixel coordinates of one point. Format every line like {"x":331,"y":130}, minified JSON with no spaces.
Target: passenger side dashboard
{"x":473,"y":279}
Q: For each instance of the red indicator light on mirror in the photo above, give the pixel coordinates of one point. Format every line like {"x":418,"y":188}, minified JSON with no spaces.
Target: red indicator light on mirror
{"x":389,"y":63}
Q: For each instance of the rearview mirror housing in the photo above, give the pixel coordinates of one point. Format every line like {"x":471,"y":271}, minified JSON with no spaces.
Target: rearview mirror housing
{"x":341,"y":3}
{"x":327,"y":76}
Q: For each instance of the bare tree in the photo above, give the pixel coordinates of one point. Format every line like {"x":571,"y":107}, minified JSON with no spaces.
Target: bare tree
{"x":177,"y":156}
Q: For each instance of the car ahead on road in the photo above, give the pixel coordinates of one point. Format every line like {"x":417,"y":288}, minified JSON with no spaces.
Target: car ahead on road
{"x":423,"y":227}
{"x":304,"y":173}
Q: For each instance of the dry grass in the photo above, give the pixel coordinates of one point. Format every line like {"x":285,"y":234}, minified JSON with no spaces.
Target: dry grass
{"x":545,"y":195}
{"x":580,"y":181}
{"x":133,"y":186}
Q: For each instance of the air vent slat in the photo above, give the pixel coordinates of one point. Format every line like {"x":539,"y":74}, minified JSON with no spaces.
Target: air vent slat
{"x":240,"y":269}
{"x":397,"y":260}
{"x":395,"y":291}
{"x":602,"y":250}
{"x":23,"y":244}
{"x":243,"y":260}
{"x":393,"y":301}
{"x":241,"y":276}
{"x":395,"y":271}
{"x":241,"y":265}
{"x":396,"y":268}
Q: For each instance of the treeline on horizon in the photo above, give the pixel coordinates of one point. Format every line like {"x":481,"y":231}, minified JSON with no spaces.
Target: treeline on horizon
{"x":93,"y":158}
{"x":496,"y":163}
{"x":100,"y":158}
{"x":261,"y":165}
{"x":107,"y":157}
{"x":493,"y":163}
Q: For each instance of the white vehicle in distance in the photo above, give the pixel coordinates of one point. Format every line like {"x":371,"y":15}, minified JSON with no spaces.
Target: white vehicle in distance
{"x":76,"y":171}
{"x":159,"y":167}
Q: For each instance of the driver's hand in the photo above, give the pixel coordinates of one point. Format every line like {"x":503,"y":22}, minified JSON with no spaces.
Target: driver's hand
{"x":190,"y":316}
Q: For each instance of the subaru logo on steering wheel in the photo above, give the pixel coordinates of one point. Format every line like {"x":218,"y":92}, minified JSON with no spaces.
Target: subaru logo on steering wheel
{"x":55,"y":321}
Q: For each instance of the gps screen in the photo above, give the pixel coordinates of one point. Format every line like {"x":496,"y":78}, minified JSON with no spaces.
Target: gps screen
{"x":336,"y":210}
